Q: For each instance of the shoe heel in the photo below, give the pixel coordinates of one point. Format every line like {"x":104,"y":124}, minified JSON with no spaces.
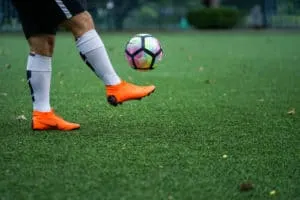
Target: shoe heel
{"x":112,"y":100}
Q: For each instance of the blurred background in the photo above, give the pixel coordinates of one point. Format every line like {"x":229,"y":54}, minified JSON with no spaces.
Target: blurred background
{"x":122,"y":15}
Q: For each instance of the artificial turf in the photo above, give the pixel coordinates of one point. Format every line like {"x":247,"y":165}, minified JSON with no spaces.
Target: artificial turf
{"x":225,"y":112}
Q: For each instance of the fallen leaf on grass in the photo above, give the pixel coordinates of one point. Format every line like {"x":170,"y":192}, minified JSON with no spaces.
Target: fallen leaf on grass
{"x":110,"y":49}
{"x":292,"y":111}
{"x":21,"y":117}
{"x":60,"y":74}
{"x":210,"y":81}
{"x":273,"y":193}
{"x":4,"y":94}
{"x":7,"y":66}
{"x":247,"y":186}
{"x":201,"y":69}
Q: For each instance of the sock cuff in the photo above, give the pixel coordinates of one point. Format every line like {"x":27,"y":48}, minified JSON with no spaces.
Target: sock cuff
{"x":36,"y":62}
{"x":89,"y":41}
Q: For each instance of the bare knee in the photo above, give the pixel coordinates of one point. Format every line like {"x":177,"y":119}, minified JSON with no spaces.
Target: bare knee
{"x":42,"y":44}
{"x":80,"y":24}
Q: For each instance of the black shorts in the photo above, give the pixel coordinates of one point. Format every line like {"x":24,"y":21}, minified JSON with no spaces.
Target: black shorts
{"x":44,"y":16}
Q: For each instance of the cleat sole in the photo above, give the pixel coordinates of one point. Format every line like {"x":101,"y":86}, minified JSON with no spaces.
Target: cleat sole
{"x":112,"y":100}
{"x":53,"y":129}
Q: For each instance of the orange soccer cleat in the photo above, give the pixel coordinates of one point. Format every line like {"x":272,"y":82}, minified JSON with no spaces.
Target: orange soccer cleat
{"x":50,"y":121}
{"x":117,"y":94}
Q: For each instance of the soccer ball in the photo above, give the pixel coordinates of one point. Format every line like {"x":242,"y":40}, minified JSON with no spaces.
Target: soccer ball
{"x":143,"y":52}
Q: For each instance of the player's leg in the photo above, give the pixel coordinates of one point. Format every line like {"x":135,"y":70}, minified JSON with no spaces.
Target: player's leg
{"x":91,"y":47}
{"x":39,"y":68}
{"x":41,"y":41}
{"x":93,"y":52}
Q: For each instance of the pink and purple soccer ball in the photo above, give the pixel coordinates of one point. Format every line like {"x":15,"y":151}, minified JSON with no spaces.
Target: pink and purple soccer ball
{"x":143,"y":52}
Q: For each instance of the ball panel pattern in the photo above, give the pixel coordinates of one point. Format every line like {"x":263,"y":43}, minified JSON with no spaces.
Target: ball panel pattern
{"x":134,"y":45}
{"x":143,"y":60}
{"x":143,"y":52}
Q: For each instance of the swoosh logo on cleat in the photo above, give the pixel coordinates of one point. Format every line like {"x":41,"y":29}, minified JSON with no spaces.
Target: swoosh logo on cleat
{"x":51,"y":124}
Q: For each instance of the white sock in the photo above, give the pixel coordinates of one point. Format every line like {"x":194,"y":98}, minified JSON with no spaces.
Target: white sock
{"x":93,"y":52}
{"x":39,"y":78}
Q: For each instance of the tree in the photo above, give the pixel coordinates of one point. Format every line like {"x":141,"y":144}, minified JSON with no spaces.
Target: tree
{"x":119,"y":10}
{"x":206,"y":3}
{"x":122,"y":8}
{"x":211,"y":3}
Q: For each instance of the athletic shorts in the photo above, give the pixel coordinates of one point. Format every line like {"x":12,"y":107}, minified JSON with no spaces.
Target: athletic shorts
{"x":44,"y":16}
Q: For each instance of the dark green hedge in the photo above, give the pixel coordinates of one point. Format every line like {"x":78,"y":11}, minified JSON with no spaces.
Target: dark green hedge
{"x":213,"y":18}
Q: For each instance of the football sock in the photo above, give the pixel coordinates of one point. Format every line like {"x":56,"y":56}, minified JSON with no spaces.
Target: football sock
{"x":39,"y":78}
{"x":93,"y":52}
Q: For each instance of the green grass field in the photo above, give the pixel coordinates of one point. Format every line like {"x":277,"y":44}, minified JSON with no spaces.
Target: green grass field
{"x":226,"y":93}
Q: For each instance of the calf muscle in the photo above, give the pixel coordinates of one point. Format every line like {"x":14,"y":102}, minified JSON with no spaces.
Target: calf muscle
{"x":42,"y":44}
